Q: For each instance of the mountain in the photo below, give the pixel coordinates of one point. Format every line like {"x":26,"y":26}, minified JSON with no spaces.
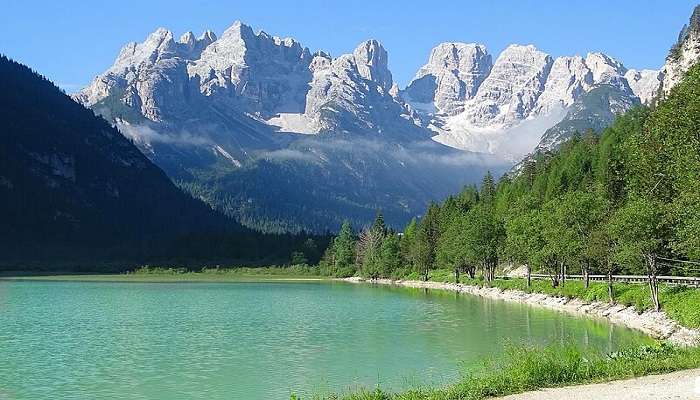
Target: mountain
{"x":285,"y":139}
{"x":280,"y":138}
{"x":504,"y":107}
{"x":72,"y":188}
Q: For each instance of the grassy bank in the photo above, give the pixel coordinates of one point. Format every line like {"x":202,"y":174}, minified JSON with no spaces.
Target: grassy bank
{"x":174,"y":274}
{"x":522,"y":369}
{"x":679,"y":302}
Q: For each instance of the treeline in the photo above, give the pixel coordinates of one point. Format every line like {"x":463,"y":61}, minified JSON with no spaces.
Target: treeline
{"x":627,"y":201}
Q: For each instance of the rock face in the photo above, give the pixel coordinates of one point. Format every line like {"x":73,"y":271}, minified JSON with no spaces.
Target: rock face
{"x":511,"y":90}
{"x":452,"y":75}
{"x":683,"y":55}
{"x":644,"y":83}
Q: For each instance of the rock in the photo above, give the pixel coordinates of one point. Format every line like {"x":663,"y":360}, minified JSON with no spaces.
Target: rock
{"x":644,"y":83}
{"x":452,"y":75}
{"x":683,"y":55}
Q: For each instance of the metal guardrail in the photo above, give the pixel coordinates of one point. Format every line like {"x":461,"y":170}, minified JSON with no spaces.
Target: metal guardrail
{"x":672,"y":280}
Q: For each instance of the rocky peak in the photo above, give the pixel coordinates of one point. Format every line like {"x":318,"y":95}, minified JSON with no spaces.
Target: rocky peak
{"x":372,"y":62}
{"x":452,"y":75}
{"x":187,"y":39}
{"x":512,"y":88}
{"x":158,"y":45}
{"x":607,"y":71}
{"x":207,"y":38}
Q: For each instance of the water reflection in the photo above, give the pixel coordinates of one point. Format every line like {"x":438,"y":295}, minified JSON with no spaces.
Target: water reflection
{"x":257,"y":340}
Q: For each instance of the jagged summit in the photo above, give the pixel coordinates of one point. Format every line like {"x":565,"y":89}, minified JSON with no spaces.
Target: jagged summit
{"x":452,"y":75}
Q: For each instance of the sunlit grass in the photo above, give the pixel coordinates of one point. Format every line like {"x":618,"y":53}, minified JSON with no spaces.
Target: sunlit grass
{"x":522,"y":369}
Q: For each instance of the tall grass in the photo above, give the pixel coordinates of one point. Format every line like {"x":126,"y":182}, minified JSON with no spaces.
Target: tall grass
{"x":522,"y":369}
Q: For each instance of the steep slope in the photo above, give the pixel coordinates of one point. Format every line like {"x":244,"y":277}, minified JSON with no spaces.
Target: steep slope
{"x":593,"y":111}
{"x":72,"y":185}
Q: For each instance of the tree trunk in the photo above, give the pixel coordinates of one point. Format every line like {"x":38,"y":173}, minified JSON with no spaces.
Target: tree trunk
{"x":471,"y":270}
{"x":610,"y":286}
{"x":562,"y":269}
{"x":457,"y":275}
{"x":653,"y":282}
{"x":584,"y":272}
{"x":529,"y":277}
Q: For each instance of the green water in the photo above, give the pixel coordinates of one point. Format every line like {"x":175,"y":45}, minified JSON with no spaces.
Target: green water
{"x":83,"y":340}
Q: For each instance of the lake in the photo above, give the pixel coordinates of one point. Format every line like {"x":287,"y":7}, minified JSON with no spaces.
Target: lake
{"x":256,"y":340}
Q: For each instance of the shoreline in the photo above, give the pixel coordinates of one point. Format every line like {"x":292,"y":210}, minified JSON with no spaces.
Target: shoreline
{"x":156,"y":278}
{"x":655,"y":324}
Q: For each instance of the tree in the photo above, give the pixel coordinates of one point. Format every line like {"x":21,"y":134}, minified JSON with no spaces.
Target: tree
{"x":344,"y":248}
{"x":390,"y":254}
{"x":577,"y":215}
{"x":523,"y":235}
{"x":369,"y":245}
{"x":426,"y":241}
{"x":638,"y":230}
{"x":408,"y":241}
{"x":599,"y":248}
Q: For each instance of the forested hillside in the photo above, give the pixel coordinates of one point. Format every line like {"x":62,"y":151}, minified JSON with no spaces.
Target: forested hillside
{"x":73,"y":190}
{"x":627,"y":201}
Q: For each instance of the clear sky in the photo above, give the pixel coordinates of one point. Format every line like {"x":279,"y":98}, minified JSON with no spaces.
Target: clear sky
{"x":71,"y":41}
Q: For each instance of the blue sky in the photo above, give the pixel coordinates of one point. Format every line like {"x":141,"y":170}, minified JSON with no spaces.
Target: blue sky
{"x":72,"y":41}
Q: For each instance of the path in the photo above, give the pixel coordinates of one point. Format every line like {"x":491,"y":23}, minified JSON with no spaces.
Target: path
{"x":681,"y":385}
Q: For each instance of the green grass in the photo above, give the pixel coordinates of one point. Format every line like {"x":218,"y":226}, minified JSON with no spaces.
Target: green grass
{"x":680,"y":302}
{"x":522,"y":369}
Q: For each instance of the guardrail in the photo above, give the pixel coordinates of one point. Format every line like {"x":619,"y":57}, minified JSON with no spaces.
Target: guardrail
{"x":671,"y":280}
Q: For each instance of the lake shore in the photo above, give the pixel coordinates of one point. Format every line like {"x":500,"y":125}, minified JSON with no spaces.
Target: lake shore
{"x":655,"y":324}
{"x":166,"y":278}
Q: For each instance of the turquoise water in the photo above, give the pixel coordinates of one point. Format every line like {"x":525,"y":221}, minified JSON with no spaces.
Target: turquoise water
{"x":103,"y":340}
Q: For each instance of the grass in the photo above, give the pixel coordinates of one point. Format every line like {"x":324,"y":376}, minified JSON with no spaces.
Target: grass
{"x":681,"y":303}
{"x":175,"y":274}
{"x":522,"y":369}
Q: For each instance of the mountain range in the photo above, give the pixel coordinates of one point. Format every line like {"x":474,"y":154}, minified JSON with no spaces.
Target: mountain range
{"x":285,"y":139}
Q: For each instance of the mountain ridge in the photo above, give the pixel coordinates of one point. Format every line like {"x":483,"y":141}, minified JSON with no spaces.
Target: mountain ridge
{"x":214,"y":112}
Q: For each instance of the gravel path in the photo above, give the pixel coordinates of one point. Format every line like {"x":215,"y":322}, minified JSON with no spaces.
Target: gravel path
{"x":683,"y":385}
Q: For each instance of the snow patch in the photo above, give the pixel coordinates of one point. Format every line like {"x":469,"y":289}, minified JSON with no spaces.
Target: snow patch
{"x":293,"y":123}
{"x":512,"y":143}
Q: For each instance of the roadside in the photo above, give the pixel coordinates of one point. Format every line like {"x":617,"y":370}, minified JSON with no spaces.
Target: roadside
{"x":677,"y":385}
